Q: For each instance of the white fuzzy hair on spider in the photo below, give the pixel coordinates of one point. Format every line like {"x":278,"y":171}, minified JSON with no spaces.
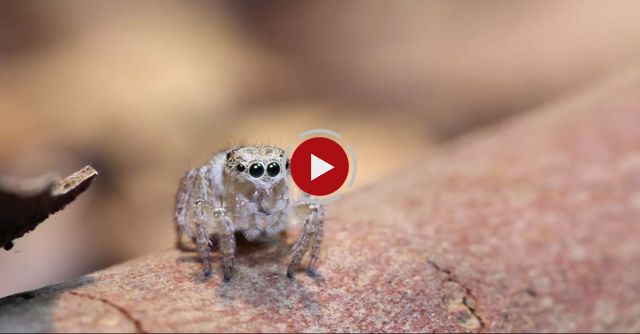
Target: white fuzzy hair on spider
{"x":243,"y":189}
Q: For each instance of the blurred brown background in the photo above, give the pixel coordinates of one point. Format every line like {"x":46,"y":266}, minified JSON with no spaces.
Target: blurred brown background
{"x":145,"y":90}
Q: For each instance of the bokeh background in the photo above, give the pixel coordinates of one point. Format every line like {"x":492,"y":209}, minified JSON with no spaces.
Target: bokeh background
{"x":144,"y":90}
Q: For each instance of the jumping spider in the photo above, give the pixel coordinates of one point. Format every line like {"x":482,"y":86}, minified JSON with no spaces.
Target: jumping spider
{"x":243,"y":189}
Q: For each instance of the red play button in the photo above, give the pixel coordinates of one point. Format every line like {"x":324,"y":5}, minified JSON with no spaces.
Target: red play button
{"x":319,"y":166}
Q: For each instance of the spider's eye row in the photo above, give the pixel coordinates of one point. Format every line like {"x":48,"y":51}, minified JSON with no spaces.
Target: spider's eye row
{"x":273,"y":169}
{"x":241,"y":168}
{"x":256,"y":170}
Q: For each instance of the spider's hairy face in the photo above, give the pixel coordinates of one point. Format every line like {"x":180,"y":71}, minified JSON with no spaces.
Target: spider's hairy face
{"x":262,"y":166}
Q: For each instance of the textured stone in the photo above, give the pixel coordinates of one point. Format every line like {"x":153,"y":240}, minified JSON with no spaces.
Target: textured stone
{"x":529,"y":226}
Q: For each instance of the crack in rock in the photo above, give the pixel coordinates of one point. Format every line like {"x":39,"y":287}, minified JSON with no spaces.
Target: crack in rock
{"x":459,"y":300}
{"x":136,"y":323}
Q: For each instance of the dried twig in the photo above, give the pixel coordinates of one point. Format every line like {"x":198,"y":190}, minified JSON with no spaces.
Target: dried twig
{"x":26,"y":203}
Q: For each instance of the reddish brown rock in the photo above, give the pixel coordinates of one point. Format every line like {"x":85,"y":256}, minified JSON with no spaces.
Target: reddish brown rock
{"x":531,"y":226}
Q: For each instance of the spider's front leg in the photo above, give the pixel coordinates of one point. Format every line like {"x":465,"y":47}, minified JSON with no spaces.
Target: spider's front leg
{"x":208,"y":208}
{"x":310,"y":238}
{"x":224,"y":231}
{"x":227,"y":241}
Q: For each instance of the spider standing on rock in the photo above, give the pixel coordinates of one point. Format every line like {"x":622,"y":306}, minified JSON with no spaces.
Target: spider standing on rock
{"x":243,"y":189}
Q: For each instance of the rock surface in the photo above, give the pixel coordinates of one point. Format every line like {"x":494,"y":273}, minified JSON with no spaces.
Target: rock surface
{"x":531,"y":226}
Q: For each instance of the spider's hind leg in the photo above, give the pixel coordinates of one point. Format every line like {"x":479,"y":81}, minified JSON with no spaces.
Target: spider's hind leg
{"x":181,"y":212}
{"x":203,"y":240}
{"x":182,"y":243}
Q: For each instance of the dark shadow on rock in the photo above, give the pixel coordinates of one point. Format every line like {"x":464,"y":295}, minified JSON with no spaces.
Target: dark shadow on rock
{"x":273,"y":249}
{"x":32,"y":311}
{"x":272,"y":293}
{"x":260,"y":280}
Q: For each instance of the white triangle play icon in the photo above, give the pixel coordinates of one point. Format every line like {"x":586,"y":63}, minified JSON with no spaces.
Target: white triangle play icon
{"x":318,"y":167}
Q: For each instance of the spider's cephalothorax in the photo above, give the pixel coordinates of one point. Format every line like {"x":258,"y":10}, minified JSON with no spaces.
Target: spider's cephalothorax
{"x":243,"y":189}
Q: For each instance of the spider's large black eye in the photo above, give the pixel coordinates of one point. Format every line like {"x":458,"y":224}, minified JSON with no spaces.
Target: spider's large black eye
{"x":273,"y":169}
{"x":256,"y":170}
{"x":241,"y":168}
